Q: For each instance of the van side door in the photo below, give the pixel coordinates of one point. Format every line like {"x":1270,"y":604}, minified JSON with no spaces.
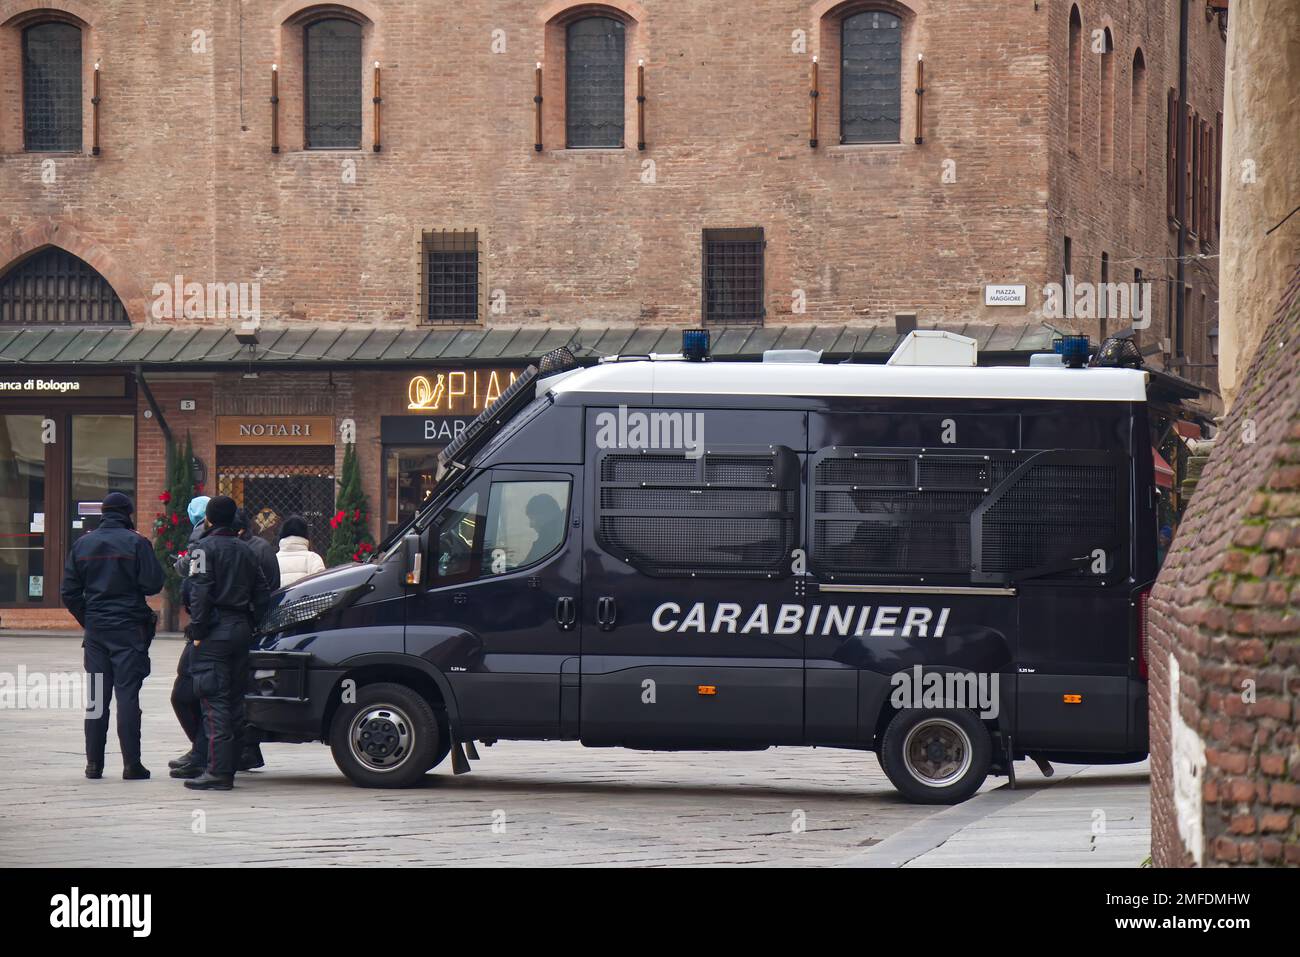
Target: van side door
{"x":687,"y":572}
{"x":498,"y":612}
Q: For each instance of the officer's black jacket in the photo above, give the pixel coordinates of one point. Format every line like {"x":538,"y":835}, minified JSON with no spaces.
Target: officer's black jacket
{"x":197,"y":534}
{"x":108,"y":574}
{"x":265,"y":555}
{"x":226,"y":585}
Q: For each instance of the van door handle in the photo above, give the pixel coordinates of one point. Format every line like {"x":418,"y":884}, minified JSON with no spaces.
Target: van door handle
{"x":606,"y":613}
{"x":566,"y":613}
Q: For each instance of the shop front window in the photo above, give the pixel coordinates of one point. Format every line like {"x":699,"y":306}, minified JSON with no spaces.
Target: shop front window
{"x":411,"y":479}
{"x":103,"y":461}
{"x":22,"y":510}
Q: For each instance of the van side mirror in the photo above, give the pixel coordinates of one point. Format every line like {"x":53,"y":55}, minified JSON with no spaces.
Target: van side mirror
{"x":414,"y":559}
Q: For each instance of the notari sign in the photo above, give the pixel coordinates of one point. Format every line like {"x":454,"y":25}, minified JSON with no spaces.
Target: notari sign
{"x":275,"y":430}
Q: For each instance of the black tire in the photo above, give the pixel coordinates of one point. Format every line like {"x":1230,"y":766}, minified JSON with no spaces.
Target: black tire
{"x":950,"y":752}
{"x":398,"y":737}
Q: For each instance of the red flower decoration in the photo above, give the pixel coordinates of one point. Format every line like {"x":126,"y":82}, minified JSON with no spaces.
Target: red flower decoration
{"x":176,"y":519}
{"x":165,"y":497}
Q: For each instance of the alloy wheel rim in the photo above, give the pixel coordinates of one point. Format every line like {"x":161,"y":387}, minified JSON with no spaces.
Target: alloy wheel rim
{"x":937,"y":752}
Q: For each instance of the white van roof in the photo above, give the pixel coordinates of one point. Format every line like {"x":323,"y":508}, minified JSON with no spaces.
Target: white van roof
{"x":679,"y":377}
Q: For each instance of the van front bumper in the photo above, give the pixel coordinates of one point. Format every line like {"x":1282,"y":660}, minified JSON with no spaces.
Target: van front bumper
{"x":287,"y":695}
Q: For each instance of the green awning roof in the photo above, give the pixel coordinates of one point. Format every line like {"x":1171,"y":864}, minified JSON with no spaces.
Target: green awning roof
{"x":320,"y":346}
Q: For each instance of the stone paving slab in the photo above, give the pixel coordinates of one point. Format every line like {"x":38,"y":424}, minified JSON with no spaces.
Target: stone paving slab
{"x":552,"y":804}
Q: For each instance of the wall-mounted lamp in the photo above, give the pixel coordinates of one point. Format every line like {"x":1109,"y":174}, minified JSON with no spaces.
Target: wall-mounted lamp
{"x":275,"y":108}
{"x":641,"y":104}
{"x":246,"y":334}
{"x":94,"y":114}
{"x":537,"y":101}
{"x":379,"y":105}
{"x":920,"y":98}
{"x":813,"y":94}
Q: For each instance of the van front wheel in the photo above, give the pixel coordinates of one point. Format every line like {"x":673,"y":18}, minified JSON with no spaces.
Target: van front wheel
{"x":936,"y":757}
{"x":388,"y":738}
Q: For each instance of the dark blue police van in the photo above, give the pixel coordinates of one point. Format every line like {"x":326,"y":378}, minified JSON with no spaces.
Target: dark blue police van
{"x":946,"y":565}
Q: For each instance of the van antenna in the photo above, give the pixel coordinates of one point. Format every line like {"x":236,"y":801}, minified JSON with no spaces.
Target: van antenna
{"x":857,"y":337}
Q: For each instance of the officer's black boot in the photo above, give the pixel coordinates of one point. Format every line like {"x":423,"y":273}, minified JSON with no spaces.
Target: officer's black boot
{"x":211,"y":782}
{"x":189,"y":757}
{"x":187,"y":771}
{"x":250,"y":758}
{"x":135,"y":771}
{"x":94,"y":771}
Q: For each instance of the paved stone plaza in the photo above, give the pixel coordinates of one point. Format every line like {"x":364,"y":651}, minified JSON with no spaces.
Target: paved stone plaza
{"x":549,"y":803}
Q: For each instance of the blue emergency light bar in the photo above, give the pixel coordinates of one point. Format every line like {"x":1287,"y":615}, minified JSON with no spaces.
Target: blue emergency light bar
{"x":1073,"y":350}
{"x":695,"y":344}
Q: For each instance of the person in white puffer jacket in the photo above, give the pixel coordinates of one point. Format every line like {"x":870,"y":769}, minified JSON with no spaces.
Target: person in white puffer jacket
{"x":295,"y":556}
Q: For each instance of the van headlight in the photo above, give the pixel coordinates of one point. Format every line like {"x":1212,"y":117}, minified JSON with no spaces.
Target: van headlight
{"x":290,"y":613}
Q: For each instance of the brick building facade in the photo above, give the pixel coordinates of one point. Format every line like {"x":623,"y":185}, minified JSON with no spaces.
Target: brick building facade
{"x":1014,"y":146}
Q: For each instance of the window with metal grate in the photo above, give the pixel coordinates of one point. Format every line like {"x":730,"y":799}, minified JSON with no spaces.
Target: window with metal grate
{"x":594,"y":80}
{"x":1000,"y":515}
{"x":451,"y":278}
{"x":732,"y":513}
{"x":332,"y":84}
{"x":871,"y":65}
{"x":1059,"y":515}
{"x":54,"y":287}
{"x":52,"y":88}
{"x":733,"y":276}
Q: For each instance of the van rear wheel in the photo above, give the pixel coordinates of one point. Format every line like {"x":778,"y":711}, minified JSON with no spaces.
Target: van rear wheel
{"x":388,"y":738}
{"x":936,"y":757}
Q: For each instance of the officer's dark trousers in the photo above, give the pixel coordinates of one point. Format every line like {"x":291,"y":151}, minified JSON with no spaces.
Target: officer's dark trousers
{"x":219,"y":666}
{"x":185,"y":702}
{"x":118,"y":663}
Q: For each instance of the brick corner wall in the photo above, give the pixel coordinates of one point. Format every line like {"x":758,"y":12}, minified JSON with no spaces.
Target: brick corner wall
{"x":1225,"y":628}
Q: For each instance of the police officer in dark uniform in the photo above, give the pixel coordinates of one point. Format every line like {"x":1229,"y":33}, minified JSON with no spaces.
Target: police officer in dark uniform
{"x":228,"y":590}
{"x":263,"y":550}
{"x":250,"y":751}
{"x":108,"y":574}
{"x":185,"y":703}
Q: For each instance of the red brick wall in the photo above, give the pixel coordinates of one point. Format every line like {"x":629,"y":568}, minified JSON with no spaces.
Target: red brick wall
{"x":1225,"y":608}
{"x":187,"y":183}
{"x":1116,"y":211}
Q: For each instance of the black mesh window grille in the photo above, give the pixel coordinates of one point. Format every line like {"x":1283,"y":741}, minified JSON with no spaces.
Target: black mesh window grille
{"x":451,"y":277}
{"x":724,"y":514}
{"x":733,"y":276}
{"x":52,"y":87}
{"x":272,"y":482}
{"x":594,"y":81}
{"x":1052,"y":519}
{"x":332,"y":83}
{"x":54,"y":287}
{"x":986,"y":516}
{"x":871,"y":78}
